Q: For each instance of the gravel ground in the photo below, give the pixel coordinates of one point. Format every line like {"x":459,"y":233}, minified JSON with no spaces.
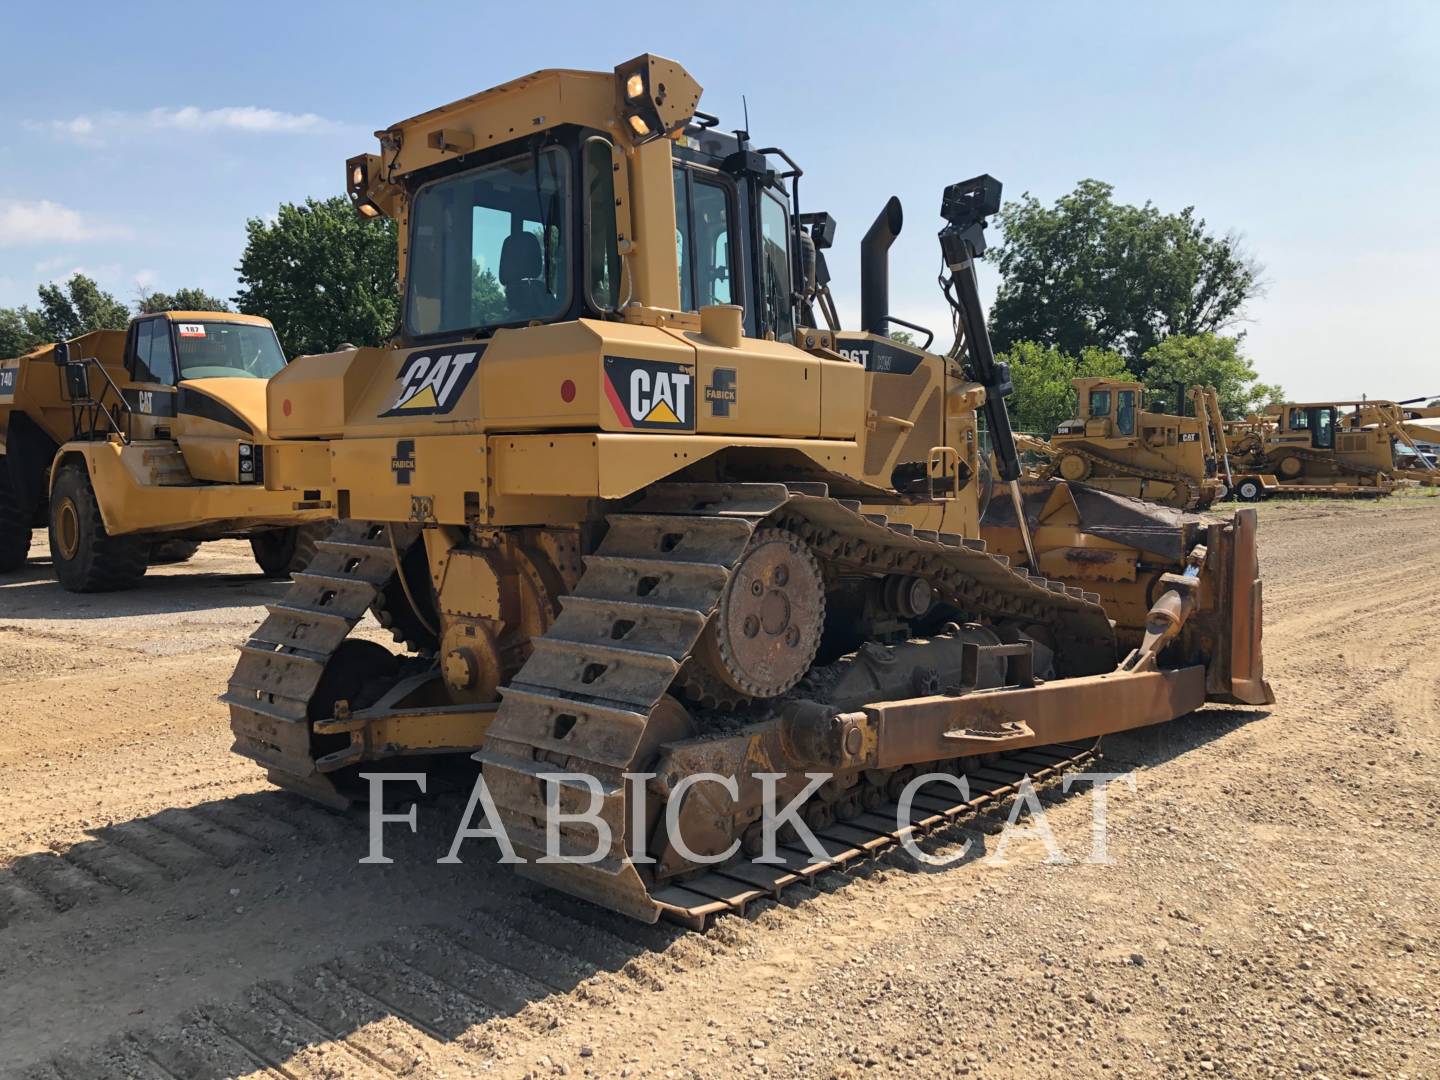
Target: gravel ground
{"x":1271,"y":907}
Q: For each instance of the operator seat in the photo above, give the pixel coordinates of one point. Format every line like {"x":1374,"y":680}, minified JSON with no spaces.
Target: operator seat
{"x":526,"y":296}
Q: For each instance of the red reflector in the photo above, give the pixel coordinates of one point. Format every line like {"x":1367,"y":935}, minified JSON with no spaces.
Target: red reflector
{"x":567,"y":391}
{"x":286,"y":407}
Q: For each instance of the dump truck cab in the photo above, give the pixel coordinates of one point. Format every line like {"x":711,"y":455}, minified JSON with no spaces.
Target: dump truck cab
{"x":198,"y":379}
{"x":136,"y":445}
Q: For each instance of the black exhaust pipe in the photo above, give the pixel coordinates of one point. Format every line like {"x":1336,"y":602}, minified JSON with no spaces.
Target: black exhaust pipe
{"x":875,"y":269}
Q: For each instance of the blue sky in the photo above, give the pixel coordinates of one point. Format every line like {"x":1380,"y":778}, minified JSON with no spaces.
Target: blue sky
{"x":139,"y":137}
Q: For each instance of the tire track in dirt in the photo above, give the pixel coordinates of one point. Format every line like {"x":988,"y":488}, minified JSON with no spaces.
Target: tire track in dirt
{"x":442,"y":998}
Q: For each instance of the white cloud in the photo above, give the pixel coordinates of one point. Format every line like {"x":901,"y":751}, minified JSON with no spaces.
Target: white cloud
{"x":247,"y":119}
{"x":46,"y":222}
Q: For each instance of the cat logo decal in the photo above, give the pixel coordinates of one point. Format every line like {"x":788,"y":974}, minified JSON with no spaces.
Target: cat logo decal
{"x":653,"y":394}
{"x":432,"y":382}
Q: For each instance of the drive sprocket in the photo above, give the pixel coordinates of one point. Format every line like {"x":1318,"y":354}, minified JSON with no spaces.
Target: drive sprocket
{"x":765,"y":631}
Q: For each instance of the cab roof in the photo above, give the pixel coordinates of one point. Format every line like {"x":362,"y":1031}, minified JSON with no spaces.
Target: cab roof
{"x":213,"y":316}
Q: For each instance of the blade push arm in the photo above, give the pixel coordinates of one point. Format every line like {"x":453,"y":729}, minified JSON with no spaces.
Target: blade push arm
{"x":965,"y":208}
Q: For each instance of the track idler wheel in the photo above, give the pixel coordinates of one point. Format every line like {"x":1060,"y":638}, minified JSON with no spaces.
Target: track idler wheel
{"x":763,"y":636}
{"x":1073,"y":467}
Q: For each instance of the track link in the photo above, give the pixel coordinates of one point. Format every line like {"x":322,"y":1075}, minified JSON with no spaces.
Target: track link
{"x":583,"y":702}
{"x":280,"y":667}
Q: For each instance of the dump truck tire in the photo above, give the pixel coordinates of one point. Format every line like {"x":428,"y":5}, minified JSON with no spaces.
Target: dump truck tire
{"x":86,"y":557}
{"x":15,"y":522}
{"x":165,"y":552}
{"x":282,"y":552}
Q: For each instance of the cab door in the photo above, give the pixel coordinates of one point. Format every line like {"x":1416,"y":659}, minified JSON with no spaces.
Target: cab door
{"x":764,"y":387}
{"x":150,"y":363}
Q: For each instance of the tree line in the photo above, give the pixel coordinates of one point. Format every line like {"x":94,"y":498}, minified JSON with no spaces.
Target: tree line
{"x":318,"y":271}
{"x":1092,"y":287}
{"x":1088,"y":287}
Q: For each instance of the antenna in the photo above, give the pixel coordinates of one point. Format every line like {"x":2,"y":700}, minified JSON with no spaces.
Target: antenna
{"x":745,"y":108}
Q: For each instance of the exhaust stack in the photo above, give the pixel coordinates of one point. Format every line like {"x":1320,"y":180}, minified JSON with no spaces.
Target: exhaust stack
{"x":875,"y":269}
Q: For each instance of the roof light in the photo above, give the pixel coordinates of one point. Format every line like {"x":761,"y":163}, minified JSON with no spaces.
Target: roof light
{"x":635,"y":87}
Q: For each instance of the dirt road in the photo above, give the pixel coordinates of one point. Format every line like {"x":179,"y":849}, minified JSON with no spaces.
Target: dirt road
{"x":1271,"y":908}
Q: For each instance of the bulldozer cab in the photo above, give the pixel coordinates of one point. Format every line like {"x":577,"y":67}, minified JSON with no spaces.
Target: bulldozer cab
{"x":535,"y":231}
{"x":1316,"y":421}
{"x":571,"y":224}
{"x":1106,"y":409}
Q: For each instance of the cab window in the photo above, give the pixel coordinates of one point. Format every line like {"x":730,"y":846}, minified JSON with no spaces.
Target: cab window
{"x":682,"y":239}
{"x":603,"y":272}
{"x":490,"y":246}
{"x":702,"y":240}
{"x":154,"y":353}
{"x":711,"y":223}
{"x":1125,"y":412}
{"x":1322,"y":429}
{"x":775,"y":293}
{"x":1099,"y":402}
{"x":1299,"y":420}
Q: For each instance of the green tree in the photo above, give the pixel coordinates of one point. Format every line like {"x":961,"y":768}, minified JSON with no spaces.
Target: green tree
{"x":1210,"y":360}
{"x":75,"y":308}
{"x":66,"y":311}
{"x":179,"y":300}
{"x":1041,"y":374}
{"x":321,"y":274}
{"x":1092,"y":272}
{"x":17,"y":331}
{"x":487,"y":298}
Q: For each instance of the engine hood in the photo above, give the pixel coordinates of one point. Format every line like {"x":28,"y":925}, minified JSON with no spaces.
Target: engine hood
{"x":222,"y":406}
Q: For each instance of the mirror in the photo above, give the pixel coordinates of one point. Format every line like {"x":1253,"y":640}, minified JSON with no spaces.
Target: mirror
{"x":62,"y":353}
{"x":77,"y":382}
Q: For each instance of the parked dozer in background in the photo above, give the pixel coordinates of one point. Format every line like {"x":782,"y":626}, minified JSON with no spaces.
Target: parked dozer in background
{"x":1311,"y":449}
{"x":1115,"y":443}
{"x":632,"y":507}
{"x":1402,"y":421}
{"x":134,"y":446}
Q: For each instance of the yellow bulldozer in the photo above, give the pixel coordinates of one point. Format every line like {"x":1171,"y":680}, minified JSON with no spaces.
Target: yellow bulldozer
{"x":1410,"y":436}
{"x":1328,"y":448}
{"x":665,"y":546}
{"x":133,"y":446}
{"x":1116,"y":443}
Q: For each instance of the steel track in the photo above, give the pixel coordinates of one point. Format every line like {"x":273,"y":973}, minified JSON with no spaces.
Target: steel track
{"x":582,"y":703}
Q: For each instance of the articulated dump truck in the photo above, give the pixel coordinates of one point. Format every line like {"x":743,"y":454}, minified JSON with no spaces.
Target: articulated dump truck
{"x":136,"y":445}
{"x":634,"y":503}
{"x":1119,"y":441}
